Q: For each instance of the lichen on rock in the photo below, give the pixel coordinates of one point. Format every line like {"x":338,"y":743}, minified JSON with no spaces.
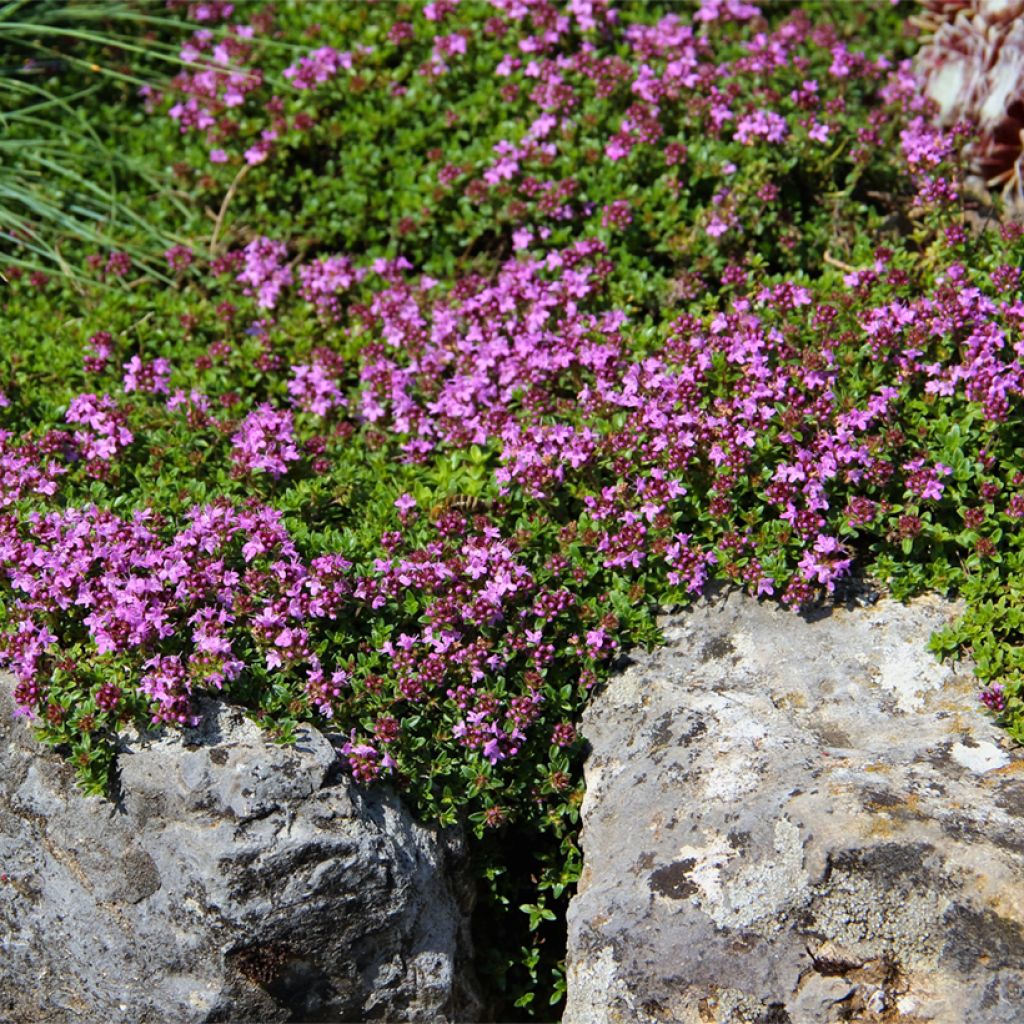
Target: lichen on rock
{"x":797,"y":821}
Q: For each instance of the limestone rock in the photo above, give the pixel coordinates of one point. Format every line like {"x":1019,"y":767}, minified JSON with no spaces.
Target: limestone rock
{"x":234,"y":880}
{"x":798,"y":822}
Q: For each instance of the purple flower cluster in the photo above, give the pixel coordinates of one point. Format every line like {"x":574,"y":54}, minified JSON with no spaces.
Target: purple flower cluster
{"x":731,"y":440}
{"x":314,"y":390}
{"x":228,"y":574}
{"x":29,"y":467}
{"x":319,"y":67}
{"x":994,"y":698}
{"x":322,"y":281}
{"x":479,"y":364}
{"x":220,"y":86}
{"x":232,"y":581}
{"x":265,"y":270}
{"x":218,"y":97}
{"x":265,"y":442}
{"x":105,"y":432}
{"x":151,"y":377}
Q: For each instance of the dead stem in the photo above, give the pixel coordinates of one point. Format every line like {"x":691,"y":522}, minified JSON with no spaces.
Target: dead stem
{"x":839,"y":264}
{"x":228,"y":196}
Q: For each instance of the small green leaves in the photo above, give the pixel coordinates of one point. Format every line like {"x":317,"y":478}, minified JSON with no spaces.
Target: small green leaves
{"x":537,"y":913}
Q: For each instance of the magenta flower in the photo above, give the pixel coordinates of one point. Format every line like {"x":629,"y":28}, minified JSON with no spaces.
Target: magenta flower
{"x":313,"y":390}
{"x":107,"y":434}
{"x":265,"y":442}
{"x":364,"y":759}
{"x":178,"y":257}
{"x":265,"y":271}
{"x":118,"y":264}
{"x":151,"y":377}
{"x":563,"y":734}
{"x":319,"y":67}
{"x":994,"y":698}
{"x":167,"y":682}
{"x":761,"y":124}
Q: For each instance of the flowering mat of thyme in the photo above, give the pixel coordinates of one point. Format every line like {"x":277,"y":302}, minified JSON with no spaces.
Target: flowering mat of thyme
{"x":490,"y":330}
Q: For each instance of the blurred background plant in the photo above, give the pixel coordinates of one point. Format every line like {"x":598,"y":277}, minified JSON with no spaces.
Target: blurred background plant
{"x":65,"y":180}
{"x":972,"y":66}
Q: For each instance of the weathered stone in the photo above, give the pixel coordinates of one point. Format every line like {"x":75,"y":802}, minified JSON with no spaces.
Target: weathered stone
{"x":798,"y":822}
{"x":234,"y":880}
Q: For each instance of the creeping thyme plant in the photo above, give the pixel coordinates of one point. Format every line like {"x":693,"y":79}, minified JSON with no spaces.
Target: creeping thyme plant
{"x":494,"y":329}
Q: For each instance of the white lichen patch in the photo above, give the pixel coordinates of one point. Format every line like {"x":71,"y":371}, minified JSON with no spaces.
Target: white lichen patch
{"x":706,"y":873}
{"x":599,"y":995}
{"x":741,"y":719}
{"x":763,"y":891}
{"x":735,"y":776}
{"x":908,"y":671}
{"x":855,"y":913}
{"x":758,"y":892}
{"x":981,"y":758}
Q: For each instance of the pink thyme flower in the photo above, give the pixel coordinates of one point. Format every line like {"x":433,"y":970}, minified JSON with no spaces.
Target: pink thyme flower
{"x":265,"y":442}
{"x":151,"y":377}
{"x":107,"y":433}
{"x":265,"y":271}
{"x":320,"y":66}
{"x":313,"y":390}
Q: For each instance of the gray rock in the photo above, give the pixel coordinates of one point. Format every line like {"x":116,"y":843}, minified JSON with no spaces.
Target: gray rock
{"x":798,"y":822}
{"x":234,"y":880}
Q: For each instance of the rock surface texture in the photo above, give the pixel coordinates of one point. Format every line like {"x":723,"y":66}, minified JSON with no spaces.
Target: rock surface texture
{"x":798,"y":821}
{"x":233,"y":881}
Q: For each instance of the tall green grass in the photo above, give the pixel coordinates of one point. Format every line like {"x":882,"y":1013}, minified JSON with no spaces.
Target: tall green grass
{"x":65,"y":184}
